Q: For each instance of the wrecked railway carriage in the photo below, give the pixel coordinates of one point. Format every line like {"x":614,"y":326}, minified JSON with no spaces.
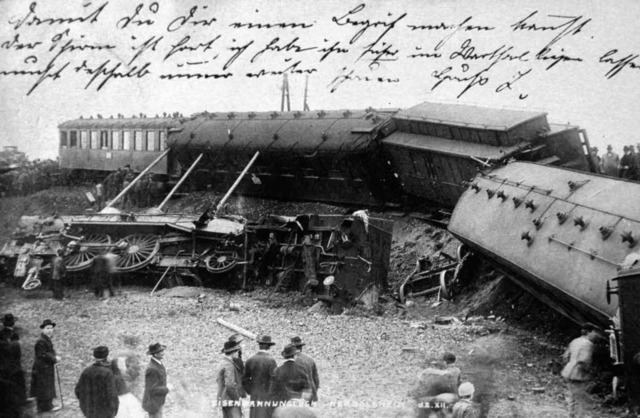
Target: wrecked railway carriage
{"x":568,"y":237}
{"x":368,"y":157}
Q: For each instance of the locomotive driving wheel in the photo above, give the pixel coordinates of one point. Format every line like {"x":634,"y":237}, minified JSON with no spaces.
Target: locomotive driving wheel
{"x":136,"y":251}
{"x":221,"y":261}
{"x":84,"y":252}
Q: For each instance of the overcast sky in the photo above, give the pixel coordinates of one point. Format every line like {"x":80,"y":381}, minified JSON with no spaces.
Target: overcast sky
{"x":396,"y":54}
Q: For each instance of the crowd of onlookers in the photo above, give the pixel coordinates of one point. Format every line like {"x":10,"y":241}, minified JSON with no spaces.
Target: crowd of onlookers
{"x":104,"y":389}
{"x":30,"y":177}
{"x":611,"y":164}
{"x":33,"y":176}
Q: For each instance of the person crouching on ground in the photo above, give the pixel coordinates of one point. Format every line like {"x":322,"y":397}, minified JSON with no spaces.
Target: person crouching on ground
{"x":465,"y":407}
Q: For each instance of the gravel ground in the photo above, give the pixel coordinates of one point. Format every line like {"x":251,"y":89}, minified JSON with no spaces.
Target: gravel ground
{"x":367,"y":364}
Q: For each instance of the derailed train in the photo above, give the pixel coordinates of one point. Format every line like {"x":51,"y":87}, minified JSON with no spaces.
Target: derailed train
{"x":567,"y":235}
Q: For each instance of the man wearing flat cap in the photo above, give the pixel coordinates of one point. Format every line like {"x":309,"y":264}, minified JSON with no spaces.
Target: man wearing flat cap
{"x":309,"y":366}
{"x":229,"y":380}
{"x":43,"y":386}
{"x":257,"y":377}
{"x":155,"y":382}
{"x":577,"y":373}
{"x":96,"y":389}
{"x":289,"y":381}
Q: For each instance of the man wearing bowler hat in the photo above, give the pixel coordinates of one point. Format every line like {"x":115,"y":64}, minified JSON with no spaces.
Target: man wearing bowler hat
{"x":229,"y":381}
{"x":43,"y":381}
{"x":289,"y":381}
{"x":155,"y":382}
{"x":309,"y":366}
{"x":237,"y":338}
{"x":96,"y":389}
{"x":257,"y":377}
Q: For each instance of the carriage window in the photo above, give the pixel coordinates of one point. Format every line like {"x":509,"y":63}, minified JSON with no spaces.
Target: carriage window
{"x":137,"y":141}
{"x":104,"y":139}
{"x":84,"y":139}
{"x":116,"y":140}
{"x":151,"y":141}
{"x":163,"y":140}
{"x":127,"y":140}
{"x":63,"y":139}
{"x":94,"y":140}
{"x":73,"y":139}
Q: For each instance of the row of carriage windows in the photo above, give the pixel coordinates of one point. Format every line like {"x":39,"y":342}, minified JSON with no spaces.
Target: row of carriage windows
{"x":114,"y":140}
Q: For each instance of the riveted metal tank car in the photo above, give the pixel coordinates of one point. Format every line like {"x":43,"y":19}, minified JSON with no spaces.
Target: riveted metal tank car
{"x":568,"y":237}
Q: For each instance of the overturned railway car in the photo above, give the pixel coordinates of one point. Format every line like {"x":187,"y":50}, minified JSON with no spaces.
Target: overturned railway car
{"x":422,"y":155}
{"x":436,"y":148}
{"x":565,"y":236}
{"x":320,"y":156}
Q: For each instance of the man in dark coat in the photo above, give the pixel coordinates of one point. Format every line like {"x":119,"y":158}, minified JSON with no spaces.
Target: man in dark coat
{"x":96,"y":389}
{"x":9,"y":323}
{"x":12,"y":382}
{"x":289,"y":381}
{"x":58,"y":273}
{"x":237,"y":339}
{"x":257,"y":377}
{"x":102,"y":275}
{"x":43,"y":386}
{"x":155,"y":382}
{"x":229,"y":380}
{"x":309,"y":366}
{"x":628,"y":168}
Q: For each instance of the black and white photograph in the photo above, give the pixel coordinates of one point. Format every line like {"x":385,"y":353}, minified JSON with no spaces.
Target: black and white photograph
{"x":330,"y":209}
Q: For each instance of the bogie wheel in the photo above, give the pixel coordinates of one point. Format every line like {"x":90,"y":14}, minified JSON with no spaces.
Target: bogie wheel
{"x":82,"y":257}
{"x":447,"y":284}
{"x":136,"y":251}
{"x":221,"y":261}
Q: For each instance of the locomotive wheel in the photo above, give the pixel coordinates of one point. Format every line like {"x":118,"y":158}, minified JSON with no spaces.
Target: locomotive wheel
{"x":83,"y":258}
{"x":221,"y":262}
{"x":138,"y":253}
